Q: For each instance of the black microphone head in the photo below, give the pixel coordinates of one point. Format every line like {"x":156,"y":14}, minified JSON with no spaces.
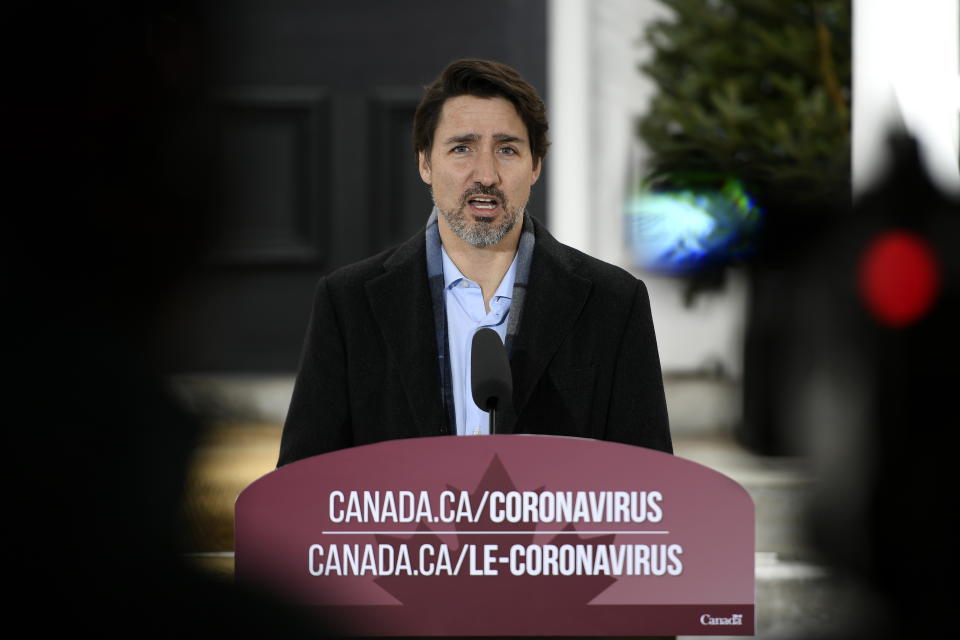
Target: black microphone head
{"x":490,"y":375}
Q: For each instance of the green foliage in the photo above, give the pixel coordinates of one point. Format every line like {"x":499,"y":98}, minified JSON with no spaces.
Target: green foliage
{"x":757,"y":89}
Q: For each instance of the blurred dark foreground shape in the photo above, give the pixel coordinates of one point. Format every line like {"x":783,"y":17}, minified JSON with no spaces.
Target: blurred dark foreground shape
{"x":108,"y":209}
{"x":873,"y":396}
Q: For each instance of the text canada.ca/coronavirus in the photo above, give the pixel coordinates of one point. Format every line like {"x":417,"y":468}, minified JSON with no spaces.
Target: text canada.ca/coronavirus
{"x":577,"y":559}
{"x":495,"y":506}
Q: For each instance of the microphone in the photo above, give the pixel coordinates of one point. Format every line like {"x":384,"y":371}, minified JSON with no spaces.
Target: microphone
{"x":490,"y":376}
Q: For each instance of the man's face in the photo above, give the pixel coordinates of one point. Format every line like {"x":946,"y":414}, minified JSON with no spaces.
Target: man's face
{"x":480,"y":168}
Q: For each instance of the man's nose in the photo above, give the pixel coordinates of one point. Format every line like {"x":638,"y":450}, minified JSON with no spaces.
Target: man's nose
{"x":486,"y":171}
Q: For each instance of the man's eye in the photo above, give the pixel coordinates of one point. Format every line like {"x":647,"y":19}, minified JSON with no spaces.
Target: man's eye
{"x":509,"y":151}
{"x":460,"y":148}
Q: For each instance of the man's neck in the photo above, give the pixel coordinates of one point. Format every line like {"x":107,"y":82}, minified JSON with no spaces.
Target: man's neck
{"x":484,"y":265}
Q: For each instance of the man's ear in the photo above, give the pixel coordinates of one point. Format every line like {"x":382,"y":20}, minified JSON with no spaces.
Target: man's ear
{"x":424,"y":164}
{"x":536,"y":171}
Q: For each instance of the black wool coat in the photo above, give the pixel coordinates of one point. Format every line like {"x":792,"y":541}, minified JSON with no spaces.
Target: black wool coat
{"x":584,"y":359}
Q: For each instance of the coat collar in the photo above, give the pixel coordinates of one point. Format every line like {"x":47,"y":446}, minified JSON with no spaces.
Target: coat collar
{"x":401,"y":303}
{"x":556,"y":296}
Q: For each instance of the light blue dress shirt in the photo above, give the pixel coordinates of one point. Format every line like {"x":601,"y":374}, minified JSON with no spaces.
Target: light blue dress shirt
{"x":465,"y":315}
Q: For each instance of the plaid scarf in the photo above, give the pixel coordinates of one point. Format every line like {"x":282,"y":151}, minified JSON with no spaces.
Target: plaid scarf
{"x":435,"y":278}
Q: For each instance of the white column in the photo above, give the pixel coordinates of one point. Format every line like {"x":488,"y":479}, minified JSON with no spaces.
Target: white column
{"x":568,"y":60}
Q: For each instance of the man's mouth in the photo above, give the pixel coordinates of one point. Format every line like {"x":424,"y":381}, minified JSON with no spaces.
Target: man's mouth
{"x":483,"y":203}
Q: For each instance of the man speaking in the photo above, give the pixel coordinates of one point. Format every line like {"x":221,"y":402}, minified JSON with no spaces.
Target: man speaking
{"x":387,"y":352}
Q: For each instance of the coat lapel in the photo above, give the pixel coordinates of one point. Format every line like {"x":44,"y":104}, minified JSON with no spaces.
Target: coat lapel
{"x":401,"y":304}
{"x":555,"y":298}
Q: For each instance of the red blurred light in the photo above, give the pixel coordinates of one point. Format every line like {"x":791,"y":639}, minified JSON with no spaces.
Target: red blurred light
{"x":899,"y":278}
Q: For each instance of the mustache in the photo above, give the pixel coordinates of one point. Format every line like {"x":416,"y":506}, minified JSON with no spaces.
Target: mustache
{"x":480,"y":190}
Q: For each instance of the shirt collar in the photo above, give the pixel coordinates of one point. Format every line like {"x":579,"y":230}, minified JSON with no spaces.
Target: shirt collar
{"x":452,"y":275}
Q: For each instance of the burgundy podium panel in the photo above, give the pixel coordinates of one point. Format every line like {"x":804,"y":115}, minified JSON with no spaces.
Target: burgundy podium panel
{"x":504,"y":535}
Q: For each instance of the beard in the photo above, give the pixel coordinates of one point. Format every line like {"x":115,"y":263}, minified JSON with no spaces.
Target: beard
{"x":481,"y":232}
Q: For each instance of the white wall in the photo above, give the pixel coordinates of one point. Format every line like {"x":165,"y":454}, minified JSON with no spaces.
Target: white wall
{"x":906,"y":68}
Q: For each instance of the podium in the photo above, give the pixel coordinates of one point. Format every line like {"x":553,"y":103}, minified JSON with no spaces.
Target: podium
{"x":507,"y":535}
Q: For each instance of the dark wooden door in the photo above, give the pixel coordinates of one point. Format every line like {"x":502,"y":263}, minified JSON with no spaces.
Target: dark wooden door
{"x":315,"y":103}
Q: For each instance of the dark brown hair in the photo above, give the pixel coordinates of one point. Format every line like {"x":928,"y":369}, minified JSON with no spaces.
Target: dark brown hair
{"x":484,"y":79}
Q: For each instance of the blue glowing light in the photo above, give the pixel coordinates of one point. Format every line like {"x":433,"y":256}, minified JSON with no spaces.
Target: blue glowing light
{"x":683,"y":230}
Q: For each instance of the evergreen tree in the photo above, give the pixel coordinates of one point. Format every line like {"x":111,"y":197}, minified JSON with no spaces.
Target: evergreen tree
{"x":753,"y":89}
